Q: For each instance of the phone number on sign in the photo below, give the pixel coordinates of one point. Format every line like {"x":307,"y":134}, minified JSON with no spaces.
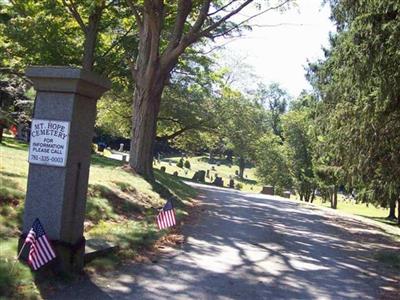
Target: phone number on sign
{"x":46,"y":158}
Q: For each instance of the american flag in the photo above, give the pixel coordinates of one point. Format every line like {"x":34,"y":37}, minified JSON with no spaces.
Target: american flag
{"x":166,"y":217}
{"x":41,"y":251}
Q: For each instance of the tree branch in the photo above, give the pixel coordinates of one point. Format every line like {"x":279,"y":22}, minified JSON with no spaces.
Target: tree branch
{"x":71,"y":7}
{"x":252,"y":17}
{"x":135,"y":12}
{"x":222,"y":8}
{"x":205,"y":7}
{"x":16,"y":73}
{"x":223,"y":19}
{"x":116,"y":42}
{"x":169,"y":119}
{"x":184,"y":8}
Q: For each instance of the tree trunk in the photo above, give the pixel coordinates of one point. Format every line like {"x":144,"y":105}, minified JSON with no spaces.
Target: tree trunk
{"x":398,"y":211}
{"x":392,"y":210}
{"x":242,"y":166}
{"x":91,"y":34}
{"x":307,"y":196}
{"x":144,"y":126}
{"x":1,"y":133}
{"x":313,"y":196}
{"x":334,"y":197}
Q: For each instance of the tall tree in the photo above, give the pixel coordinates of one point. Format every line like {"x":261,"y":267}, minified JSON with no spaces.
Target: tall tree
{"x":242,"y":123}
{"x":359,"y":83}
{"x":272,"y":162}
{"x":275,"y":99}
{"x":166,"y":30}
{"x":299,"y":144}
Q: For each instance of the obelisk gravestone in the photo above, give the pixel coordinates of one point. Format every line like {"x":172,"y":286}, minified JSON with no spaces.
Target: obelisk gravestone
{"x":59,"y":157}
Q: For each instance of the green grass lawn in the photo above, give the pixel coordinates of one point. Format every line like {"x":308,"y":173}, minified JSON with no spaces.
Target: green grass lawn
{"x":361,"y":209}
{"x":250,"y":184}
{"x":220,"y":168}
{"x":121,"y":208}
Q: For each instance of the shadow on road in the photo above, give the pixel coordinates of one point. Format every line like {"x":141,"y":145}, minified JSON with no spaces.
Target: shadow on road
{"x":249,"y":246}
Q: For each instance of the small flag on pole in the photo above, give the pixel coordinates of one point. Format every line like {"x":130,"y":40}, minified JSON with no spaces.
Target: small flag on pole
{"x":40,"y":252}
{"x":166,"y":217}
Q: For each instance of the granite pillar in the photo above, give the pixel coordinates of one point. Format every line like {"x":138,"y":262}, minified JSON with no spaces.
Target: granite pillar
{"x":56,"y":194}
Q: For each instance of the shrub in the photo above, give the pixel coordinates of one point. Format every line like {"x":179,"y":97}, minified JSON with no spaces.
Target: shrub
{"x":239,"y":186}
{"x":187,"y":164}
{"x":180,"y":163}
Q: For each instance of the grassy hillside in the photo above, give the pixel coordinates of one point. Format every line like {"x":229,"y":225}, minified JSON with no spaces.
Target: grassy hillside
{"x":220,"y":168}
{"x":121,"y":208}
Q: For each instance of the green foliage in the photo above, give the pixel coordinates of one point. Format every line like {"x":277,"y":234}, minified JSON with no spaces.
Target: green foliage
{"x":242,"y":123}
{"x":187,"y":164}
{"x":238,"y":186}
{"x":272,"y":162}
{"x":299,"y":145}
{"x":276,"y":100}
{"x":359,"y":84}
{"x":179,"y":164}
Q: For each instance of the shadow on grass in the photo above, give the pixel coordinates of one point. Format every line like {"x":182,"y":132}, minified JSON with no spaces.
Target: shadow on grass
{"x":246,"y":181}
{"x":168,"y":185}
{"x":14,"y":144}
{"x":217,"y":161}
{"x":104,"y":203}
{"x":13,"y":175}
{"x":382,"y":220}
{"x":102,"y":161}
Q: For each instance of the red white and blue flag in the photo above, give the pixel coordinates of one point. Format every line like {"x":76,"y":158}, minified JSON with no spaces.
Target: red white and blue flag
{"x":40,"y":252}
{"x":166,"y":218}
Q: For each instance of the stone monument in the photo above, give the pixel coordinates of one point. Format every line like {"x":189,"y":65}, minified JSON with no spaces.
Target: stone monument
{"x":267,"y":190}
{"x":59,"y":157}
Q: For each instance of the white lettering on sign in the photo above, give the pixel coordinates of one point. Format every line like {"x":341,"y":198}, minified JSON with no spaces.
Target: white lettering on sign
{"x":49,"y":142}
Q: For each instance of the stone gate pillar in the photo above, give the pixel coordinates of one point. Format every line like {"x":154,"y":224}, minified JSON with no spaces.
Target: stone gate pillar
{"x":59,"y":157}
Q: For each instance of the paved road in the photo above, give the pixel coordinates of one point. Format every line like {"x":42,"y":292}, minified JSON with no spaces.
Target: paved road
{"x":250,"y":246}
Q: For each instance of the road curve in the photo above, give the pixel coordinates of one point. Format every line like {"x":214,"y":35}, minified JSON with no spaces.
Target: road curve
{"x":252,"y":246}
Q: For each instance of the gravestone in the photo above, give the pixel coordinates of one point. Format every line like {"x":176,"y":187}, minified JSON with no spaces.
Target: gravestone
{"x":267,"y":190}
{"x":163,"y":169}
{"x":176,"y":173}
{"x":59,"y":158}
{"x":199,"y":176}
{"x":232,"y":183}
{"x":286,"y":194}
{"x":121,"y":147}
{"x":218,"y":181}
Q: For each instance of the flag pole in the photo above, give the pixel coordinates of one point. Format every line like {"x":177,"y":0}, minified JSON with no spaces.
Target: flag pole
{"x":16,"y":259}
{"x":20,"y":251}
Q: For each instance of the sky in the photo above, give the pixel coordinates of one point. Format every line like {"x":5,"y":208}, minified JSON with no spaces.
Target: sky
{"x":280,"y":53}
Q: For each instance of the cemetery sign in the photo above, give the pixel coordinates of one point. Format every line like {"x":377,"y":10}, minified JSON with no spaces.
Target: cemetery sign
{"x":49,"y":142}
